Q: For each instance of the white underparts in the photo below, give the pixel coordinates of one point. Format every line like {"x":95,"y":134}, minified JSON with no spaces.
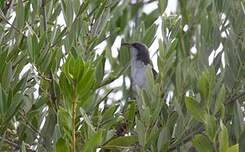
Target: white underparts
{"x":138,"y":73}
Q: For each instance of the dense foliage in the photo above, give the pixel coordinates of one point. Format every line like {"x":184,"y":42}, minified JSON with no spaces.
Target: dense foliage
{"x":58,"y":92}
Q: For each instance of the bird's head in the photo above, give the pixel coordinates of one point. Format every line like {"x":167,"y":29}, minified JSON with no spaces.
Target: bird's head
{"x":139,"y":51}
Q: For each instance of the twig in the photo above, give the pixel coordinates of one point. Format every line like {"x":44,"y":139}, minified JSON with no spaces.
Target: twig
{"x":16,"y":146}
{"x":11,"y":25}
{"x":52,"y":88}
{"x":111,"y":79}
{"x":74,"y":108}
{"x":234,"y":98}
{"x":186,"y":139}
{"x":103,"y":98}
{"x":28,"y":124}
{"x":148,"y":2}
{"x":11,"y":143}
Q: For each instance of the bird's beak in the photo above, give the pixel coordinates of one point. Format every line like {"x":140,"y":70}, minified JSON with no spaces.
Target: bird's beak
{"x":126,"y":44}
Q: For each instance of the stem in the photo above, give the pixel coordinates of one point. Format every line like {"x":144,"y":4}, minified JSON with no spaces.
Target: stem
{"x":15,"y":145}
{"x":235,"y":97}
{"x":11,"y":25}
{"x":186,"y":139}
{"x":74,"y":107}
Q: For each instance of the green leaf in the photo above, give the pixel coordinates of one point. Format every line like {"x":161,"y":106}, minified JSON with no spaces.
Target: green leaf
{"x":124,"y":56}
{"x":87,"y":120}
{"x":120,"y":142}
{"x":140,"y":129}
{"x":86,"y":84}
{"x":48,"y":129}
{"x":163,"y":140}
{"x":150,"y":79}
{"x":220,"y":99}
{"x":61,"y":145}
{"x":64,"y":119}
{"x":202,"y":144}
{"x":93,"y":142}
{"x":68,"y":12}
{"x":195,"y":108}
{"x":100,"y":69}
{"x":2,"y":101}
{"x":54,"y":15}
{"x":101,"y":8}
{"x":16,"y":102}
{"x":203,"y":84}
{"x":108,"y":114}
{"x":65,"y":86}
{"x":234,"y":148}
{"x":75,"y":68}
{"x":162,"y":5}
{"x":20,"y":16}
{"x":172,"y":119}
{"x":238,"y":119}
{"x":149,"y":19}
{"x":130,"y":115}
{"x":83,"y":7}
{"x":223,"y":138}
{"x":150,"y":33}
{"x":210,"y":127}
{"x":242,"y":141}
{"x":100,"y":23}
{"x":7,"y":75}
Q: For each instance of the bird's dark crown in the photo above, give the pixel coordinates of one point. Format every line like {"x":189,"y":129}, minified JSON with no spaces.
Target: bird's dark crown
{"x":142,"y":52}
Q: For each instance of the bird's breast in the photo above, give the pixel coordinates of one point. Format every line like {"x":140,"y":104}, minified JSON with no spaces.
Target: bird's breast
{"x":138,"y":74}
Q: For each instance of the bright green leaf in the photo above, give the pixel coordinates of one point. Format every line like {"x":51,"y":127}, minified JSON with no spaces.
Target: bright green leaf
{"x":121,"y":142}
{"x":61,"y":145}
{"x":202,"y":144}
{"x":223,"y":138}
{"x":195,"y":108}
{"x":93,"y":142}
{"x":234,"y":148}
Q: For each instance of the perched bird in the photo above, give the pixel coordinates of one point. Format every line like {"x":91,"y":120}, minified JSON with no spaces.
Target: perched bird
{"x":140,"y":59}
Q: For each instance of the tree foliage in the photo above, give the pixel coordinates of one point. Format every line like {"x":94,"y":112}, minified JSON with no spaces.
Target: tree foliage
{"x":57,"y":93}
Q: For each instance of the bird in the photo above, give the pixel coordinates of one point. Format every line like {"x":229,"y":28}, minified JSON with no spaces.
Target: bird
{"x":140,"y":59}
{"x":139,"y":62}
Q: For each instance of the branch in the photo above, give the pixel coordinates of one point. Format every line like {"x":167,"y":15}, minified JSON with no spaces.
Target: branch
{"x":74,"y":114}
{"x":103,"y":98}
{"x":186,"y":139}
{"x":11,"y":25}
{"x":112,"y":78}
{"x":15,"y":145}
{"x":32,"y":128}
{"x":11,"y":143}
{"x":235,"y":97}
{"x":50,"y":75}
{"x":150,"y":1}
